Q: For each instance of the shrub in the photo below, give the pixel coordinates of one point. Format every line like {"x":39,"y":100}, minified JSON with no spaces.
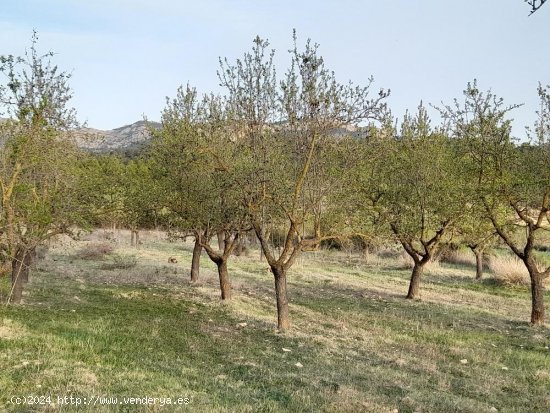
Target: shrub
{"x":95,"y":251}
{"x":354,"y":243}
{"x":331,"y":244}
{"x":542,"y":248}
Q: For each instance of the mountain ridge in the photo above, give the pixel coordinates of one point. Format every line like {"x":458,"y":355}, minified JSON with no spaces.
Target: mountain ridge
{"x":130,"y":137}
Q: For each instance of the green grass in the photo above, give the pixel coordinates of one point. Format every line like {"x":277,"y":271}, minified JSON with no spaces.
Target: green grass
{"x":145,"y":331}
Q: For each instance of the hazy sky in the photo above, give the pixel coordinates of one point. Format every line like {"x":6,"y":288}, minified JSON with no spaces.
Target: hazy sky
{"x":128,"y":55}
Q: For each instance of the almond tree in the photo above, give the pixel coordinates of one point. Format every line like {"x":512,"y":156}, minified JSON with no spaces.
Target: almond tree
{"x":364,"y":182}
{"x":512,"y":182}
{"x":178,"y":166}
{"x":38,"y":160}
{"x":196,"y":155}
{"x":420,"y":194}
{"x":477,"y":234}
{"x":284,"y":127}
{"x":227,"y":216}
{"x":140,"y":197}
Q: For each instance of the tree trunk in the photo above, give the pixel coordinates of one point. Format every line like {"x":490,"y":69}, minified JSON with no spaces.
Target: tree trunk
{"x":479,"y":263}
{"x":283,"y":318}
{"x":19,"y":271}
{"x":537,"y":298}
{"x":221,"y":242}
{"x":225,"y":285}
{"x":479,"y":254}
{"x":195,"y":262}
{"x":414,"y":286}
{"x":134,"y":238}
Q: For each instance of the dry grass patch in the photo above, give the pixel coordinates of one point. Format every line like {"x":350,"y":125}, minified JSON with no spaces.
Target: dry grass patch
{"x":10,"y":330}
{"x":509,"y":270}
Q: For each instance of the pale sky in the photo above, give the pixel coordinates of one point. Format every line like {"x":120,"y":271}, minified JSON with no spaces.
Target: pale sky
{"x":126,"y":56}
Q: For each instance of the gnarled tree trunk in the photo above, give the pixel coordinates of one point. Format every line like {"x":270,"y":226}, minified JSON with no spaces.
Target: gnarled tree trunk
{"x":220,"y":258}
{"x":414,"y":285}
{"x":537,"y":293}
{"x":225,"y":285}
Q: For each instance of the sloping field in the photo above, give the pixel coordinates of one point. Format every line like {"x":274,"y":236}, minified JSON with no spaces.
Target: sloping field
{"x":130,"y":324}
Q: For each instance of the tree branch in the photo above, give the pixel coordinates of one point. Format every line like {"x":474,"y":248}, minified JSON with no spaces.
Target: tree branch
{"x":263,"y":242}
{"x":535,"y":5}
{"x":522,"y":213}
{"x":500,"y":231}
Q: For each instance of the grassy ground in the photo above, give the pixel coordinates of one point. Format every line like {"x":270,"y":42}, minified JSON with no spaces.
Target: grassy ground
{"x":89,"y":328}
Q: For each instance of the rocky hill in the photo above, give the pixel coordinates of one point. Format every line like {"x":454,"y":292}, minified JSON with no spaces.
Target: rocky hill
{"x":129,"y":138}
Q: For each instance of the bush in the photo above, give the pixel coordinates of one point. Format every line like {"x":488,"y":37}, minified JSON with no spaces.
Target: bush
{"x":354,"y":243}
{"x":332,"y":244}
{"x":95,"y":251}
{"x":121,"y":262}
